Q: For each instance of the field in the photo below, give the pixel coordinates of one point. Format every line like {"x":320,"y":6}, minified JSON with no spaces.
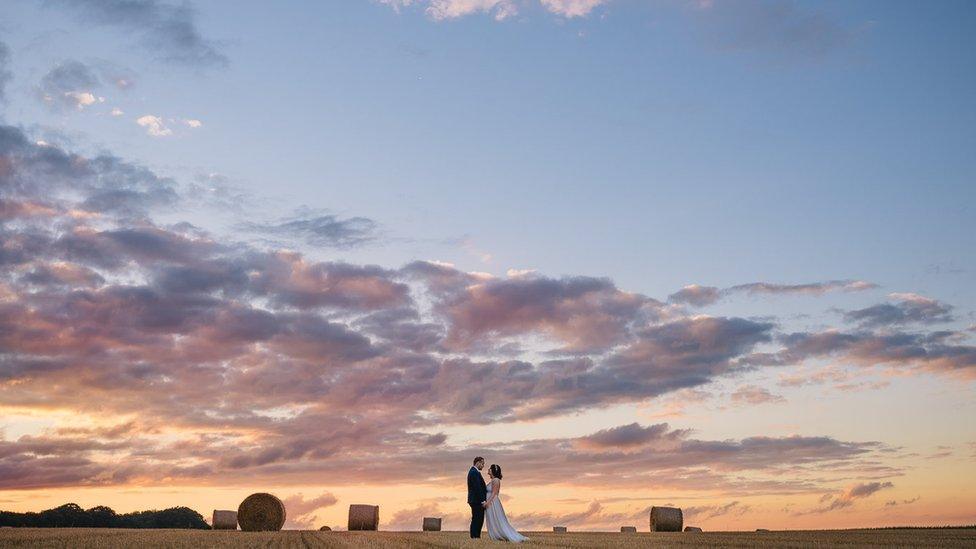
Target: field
{"x":109,"y":538}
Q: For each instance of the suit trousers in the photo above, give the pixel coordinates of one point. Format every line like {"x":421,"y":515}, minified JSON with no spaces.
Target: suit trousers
{"x":477,"y":519}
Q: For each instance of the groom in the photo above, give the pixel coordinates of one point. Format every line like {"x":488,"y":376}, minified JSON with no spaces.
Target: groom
{"x":477,"y":494}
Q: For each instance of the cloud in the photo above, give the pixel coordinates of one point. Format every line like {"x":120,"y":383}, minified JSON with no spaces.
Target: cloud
{"x":696,"y":295}
{"x":753,"y":395}
{"x":580,"y":312}
{"x":397,"y":5}
{"x":775,"y":27}
{"x":515,"y":273}
{"x":412,"y":518}
{"x":82,"y":99}
{"x":781,"y":28}
{"x":688,"y":352}
{"x":5,"y":75}
{"x":324,"y":365}
{"x":155,"y":126}
{"x":169,"y":31}
{"x":848,"y":497}
{"x":706,"y":512}
{"x":40,"y":176}
{"x":288,"y":279}
{"x":403,"y":328}
{"x":500,"y":10}
{"x":628,"y":436}
{"x":813,"y":288}
{"x":545,"y":519}
{"x":324,"y":230}
{"x":451,"y":9}
{"x":192,"y":123}
{"x":842,"y":379}
{"x":301,"y":512}
{"x":893,"y":503}
{"x":865,"y":490}
{"x":934,"y":351}
{"x":572,"y":8}
{"x":467,"y":243}
{"x":69,"y":85}
{"x":819,"y":377}
{"x":910,"y":308}
{"x":62,"y":274}
{"x":596,"y":516}
{"x":700,"y":296}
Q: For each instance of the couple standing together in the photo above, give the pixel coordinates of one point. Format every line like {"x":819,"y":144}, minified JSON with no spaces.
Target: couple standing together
{"x":484,"y":503}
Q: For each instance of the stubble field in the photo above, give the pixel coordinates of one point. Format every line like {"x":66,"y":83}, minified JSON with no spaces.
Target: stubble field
{"x":111,"y":538}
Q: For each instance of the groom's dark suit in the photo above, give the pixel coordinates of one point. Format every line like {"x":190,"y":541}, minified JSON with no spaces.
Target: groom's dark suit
{"x":477,"y":494}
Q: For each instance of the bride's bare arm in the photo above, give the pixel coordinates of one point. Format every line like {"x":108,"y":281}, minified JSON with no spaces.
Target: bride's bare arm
{"x":496,"y":486}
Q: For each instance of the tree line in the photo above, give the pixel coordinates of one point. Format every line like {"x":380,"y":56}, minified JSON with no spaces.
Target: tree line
{"x":71,"y":515}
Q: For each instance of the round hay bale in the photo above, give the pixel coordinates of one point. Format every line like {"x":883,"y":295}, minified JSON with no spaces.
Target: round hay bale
{"x":692,"y":529}
{"x":224,"y":520}
{"x":432,"y":524}
{"x":559,"y":529}
{"x":364,"y":517}
{"x":325,"y":529}
{"x":628,"y":529}
{"x":666,"y":519}
{"x":261,"y":512}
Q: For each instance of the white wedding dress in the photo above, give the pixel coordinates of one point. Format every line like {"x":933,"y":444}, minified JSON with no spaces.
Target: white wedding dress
{"x":498,"y":526}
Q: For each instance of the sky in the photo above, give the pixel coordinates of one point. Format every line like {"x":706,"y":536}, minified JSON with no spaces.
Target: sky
{"x":716,"y":254}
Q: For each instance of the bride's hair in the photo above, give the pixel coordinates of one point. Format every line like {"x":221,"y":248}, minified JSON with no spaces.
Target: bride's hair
{"x":495,"y":471}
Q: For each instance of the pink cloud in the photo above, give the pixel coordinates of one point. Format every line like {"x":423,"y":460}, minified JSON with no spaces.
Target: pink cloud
{"x":279,"y":367}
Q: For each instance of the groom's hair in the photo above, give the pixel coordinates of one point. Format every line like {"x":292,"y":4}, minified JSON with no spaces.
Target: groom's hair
{"x":477,"y":459}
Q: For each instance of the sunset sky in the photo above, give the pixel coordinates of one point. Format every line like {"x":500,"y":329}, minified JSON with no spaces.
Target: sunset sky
{"x":716,"y":254}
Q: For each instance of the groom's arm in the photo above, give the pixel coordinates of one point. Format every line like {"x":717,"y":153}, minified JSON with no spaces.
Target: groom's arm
{"x":472,"y":490}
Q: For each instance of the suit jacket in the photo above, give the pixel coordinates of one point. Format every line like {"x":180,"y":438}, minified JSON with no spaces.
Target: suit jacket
{"x":477,"y":492}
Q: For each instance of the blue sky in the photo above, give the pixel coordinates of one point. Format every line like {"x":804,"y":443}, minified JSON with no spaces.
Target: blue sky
{"x":653,"y":143}
{"x":809,"y":164}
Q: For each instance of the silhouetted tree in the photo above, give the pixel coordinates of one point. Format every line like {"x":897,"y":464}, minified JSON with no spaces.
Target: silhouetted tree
{"x":71,"y":515}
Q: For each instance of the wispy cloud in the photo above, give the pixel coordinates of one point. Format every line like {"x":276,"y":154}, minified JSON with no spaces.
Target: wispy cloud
{"x":5,"y":74}
{"x":572,"y":8}
{"x":772,"y":27}
{"x":934,"y":351}
{"x":706,"y":512}
{"x":908,"y":308}
{"x":302,"y":512}
{"x":500,"y":10}
{"x":894,"y":502}
{"x":169,"y":31}
{"x":700,"y":296}
{"x":155,"y":125}
{"x":848,"y":497}
{"x":320,"y":229}
{"x":753,"y":395}
{"x":69,"y":84}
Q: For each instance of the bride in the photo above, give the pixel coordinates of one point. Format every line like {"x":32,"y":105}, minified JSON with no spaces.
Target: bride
{"x":498,"y":525}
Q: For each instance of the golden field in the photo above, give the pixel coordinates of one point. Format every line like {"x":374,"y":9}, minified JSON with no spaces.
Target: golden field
{"x":110,"y":538}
